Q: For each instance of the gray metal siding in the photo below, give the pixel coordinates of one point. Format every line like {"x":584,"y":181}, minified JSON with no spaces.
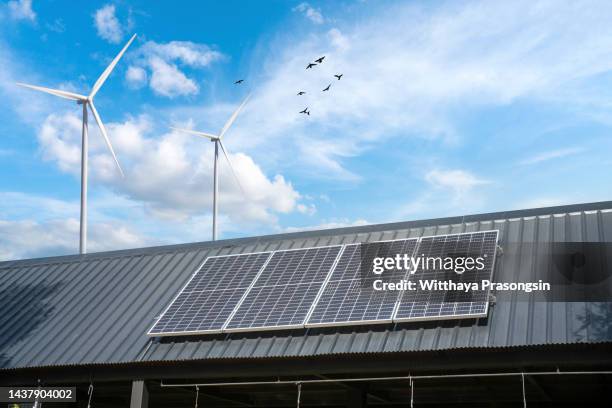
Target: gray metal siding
{"x":96,"y":309}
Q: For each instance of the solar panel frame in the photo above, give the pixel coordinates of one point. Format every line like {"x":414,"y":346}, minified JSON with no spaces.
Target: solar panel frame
{"x":453,"y":316}
{"x":227,"y":329}
{"x":339,"y":281}
{"x":184,"y":287}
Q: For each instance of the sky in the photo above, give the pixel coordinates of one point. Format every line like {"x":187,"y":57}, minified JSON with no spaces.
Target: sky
{"x":443,"y":109}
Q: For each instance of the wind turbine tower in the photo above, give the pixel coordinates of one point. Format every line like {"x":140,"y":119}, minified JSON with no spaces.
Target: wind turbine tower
{"x":217,"y":140}
{"x":87,"y":102}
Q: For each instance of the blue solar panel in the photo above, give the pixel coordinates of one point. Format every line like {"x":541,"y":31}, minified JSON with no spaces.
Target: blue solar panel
{"x":285,"y":290}
{"x":324,"y":286}
{"x":431,"y":304}
{"x":349,"y":297}
{"x":211,"y":295}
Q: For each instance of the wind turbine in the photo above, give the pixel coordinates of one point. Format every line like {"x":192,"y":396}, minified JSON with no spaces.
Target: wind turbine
{"x":217,"y":140}
{"x":87,"y":101}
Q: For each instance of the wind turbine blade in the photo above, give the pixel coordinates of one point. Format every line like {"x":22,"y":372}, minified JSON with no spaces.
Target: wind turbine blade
{"x":106,"y":139}
{"x":233,"y":117}
{"x":109,"y":69}
{"x":195,"y":132}
{"x":62,"y":94}
{"x":231,"y":167}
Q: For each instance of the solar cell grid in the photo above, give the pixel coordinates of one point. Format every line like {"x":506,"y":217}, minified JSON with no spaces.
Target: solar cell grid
{"x":221,"y":272}
{"x":298,"y":266}
{"x":284,"y":292}
{"x":345,"y":302}
{"x":213,"y":292}
{"x":349,"y":297}
{"x":429,"y":304}
{"x":199,"y":311}
{"x":273,"y":306}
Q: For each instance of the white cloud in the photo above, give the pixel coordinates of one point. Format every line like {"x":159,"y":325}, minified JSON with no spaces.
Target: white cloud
{"x":309,"y":209}
{"x":325,"y":155}
{"x":330,"y":224}
{"x":186,"y":52}
{"x":459,"y":182}
{"x":166,"y":63}
{"x":136,"y":76}
{"x":552,"y":154}
{"x":35,"y":226}
{"x":170,"y":173}
{"x":20,"y":206}
{"x":107,"y":24}
{"x":446,"y":193}
{"x":310,"y":12}
{"x":338,"y":40}
{"x":57,"y":26}
{"x":540,"y":202}
{"x":59,"y":141}
{"x":21,"y":10}
{"x":31,"y":239}
{"x":168,"y":80}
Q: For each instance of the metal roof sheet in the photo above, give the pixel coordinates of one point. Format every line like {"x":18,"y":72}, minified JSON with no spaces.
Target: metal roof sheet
{"x":96,"y":308}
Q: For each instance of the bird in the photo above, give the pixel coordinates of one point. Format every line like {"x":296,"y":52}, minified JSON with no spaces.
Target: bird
{"x":301,"y":93}
{"x":239,"y":81}
{"x":320,"y":60}
{"x":310,"y":65}
{"x":338,"y":76}
{"x":327,"y":89}
{"x":305,"y":111}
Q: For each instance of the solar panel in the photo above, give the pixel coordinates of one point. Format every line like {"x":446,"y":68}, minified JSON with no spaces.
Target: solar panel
{"x":285,"y":290}
{"x":325,"y":286}
{"x":211,"y":295}
{"x":349,"y":296}
{"x":424,"y":304}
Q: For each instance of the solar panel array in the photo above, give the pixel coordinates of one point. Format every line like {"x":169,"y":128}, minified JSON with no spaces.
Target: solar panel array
{"x":324,"y":286}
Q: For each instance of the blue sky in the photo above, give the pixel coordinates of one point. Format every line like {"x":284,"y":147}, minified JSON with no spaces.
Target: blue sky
{"x":444,"y":109}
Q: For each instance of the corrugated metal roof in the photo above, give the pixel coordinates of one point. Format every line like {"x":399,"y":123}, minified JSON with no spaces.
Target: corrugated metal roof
{"x":96,"y":309}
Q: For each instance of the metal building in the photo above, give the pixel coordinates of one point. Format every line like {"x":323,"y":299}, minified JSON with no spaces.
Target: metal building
{"x":83,"y":320}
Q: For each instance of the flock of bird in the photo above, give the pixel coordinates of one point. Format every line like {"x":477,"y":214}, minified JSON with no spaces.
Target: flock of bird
{"x":310,"y":65}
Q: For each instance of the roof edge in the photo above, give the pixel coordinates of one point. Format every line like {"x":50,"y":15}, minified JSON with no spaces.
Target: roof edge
{"x":228,"y":243}
{"x":220,"y":359}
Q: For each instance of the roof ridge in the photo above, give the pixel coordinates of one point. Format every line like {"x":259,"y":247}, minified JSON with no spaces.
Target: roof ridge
{"x":233,"y":242}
